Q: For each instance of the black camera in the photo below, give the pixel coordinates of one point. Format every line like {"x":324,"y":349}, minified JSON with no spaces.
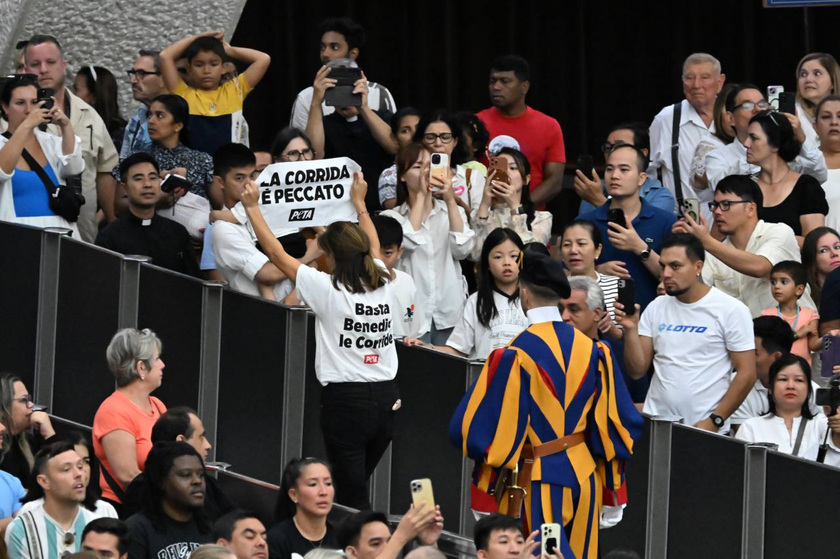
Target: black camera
{"x":830,"y":396}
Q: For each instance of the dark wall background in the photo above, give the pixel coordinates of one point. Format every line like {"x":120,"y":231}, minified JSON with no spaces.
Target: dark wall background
{"x":593,"y":63}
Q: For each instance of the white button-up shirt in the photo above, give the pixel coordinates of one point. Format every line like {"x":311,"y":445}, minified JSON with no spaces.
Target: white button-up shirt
{"x":773,"y":241}
{"x":692,"y":131}
{"x":732,"y":160}
{"x":431,"y":258}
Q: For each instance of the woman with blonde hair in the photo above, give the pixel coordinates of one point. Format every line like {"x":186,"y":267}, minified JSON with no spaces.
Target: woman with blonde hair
{"x":355,"y":356}
{"x":817,"y":77}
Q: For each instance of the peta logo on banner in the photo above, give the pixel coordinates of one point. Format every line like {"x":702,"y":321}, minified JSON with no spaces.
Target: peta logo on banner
{"x":290,"y":193}
{"x":371,"y":359}
{"x":303,"y":214}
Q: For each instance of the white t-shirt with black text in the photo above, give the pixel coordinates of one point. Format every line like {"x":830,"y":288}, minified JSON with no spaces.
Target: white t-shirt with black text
{"x":408,"y":322}
{"x":470,"y":336}
{"x":354,"y":332}
{"x":691,"y":345}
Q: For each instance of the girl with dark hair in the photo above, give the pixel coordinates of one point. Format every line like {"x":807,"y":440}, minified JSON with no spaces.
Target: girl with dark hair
{"x":305,"y":501}
{"x":476,"y":137}
{"x":508,"y":204}
{"x":168,"y":118}
{"x":440,"y":132}
{"x":817,"y":77}
{"x":789,"y":197}
{"x":436,"y":235}
{"x":820,"y":256}
{"x":581,"y":245}
{"x":790,"y":424}
{"x":355,"y":356}
{"x":172,"y":515}
{"x":492,"y":316}
{"x":403,"y":127}
{"x":24,"y":196}
{"x":97,"y":87}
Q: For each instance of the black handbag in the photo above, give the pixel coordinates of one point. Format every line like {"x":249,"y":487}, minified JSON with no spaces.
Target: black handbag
{"x":64,"y":200}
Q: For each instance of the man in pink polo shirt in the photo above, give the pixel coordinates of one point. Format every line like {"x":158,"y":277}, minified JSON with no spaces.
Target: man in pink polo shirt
{"x":539,"y":135}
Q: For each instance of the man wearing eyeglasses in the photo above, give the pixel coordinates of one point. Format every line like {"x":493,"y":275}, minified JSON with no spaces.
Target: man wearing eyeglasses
{"x":743,"y":103}
{"x":593,"y":194}
{"x":53,"y":529}
{"x":146,"y":84}
{"x":740,"y":264}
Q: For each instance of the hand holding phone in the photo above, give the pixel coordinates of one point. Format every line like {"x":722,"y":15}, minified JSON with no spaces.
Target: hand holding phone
{"x":691,"y":207}
{"x":773,"y":93}
{"x":439,"y":168}
{"x":787,"y":102}
{"x":549,"y":539}
{"x":627,"y":295}
{"x":499,"y":165}
{"x":617,"y":216}
{"x":586,"y":165}
{"x":421,"y":493}
{"x":45,"y":95}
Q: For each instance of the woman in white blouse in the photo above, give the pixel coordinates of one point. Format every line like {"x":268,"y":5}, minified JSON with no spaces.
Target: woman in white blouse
{"x":828,"y":130}
{"x":817,"y":77}
{"x":436,"y":235}
{"x":789,"y":423}
{"x":508,"y":204}
{"x":23,"y":195}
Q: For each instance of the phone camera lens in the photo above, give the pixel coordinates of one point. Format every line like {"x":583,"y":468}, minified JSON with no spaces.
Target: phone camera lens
{"x":435,"y":158}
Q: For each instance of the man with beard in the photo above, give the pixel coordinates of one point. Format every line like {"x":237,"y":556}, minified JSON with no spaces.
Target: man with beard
{"x":695,"y":336}
{"x":146,"y":84}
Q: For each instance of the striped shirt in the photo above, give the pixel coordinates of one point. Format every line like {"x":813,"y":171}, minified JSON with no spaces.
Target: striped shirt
{"x":34,"y":535}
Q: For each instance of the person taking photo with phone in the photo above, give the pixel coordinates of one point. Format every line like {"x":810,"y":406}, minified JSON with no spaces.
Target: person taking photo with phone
{"x":436,"y":235}
{"x":30,"y":158}
{"x":632,"y":229}
{"x":355,"y":355}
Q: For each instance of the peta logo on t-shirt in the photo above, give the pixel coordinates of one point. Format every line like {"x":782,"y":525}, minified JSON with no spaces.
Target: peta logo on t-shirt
{"x":371,"y":359}
{"x":682,"y":328}
{"x":409,"y":314}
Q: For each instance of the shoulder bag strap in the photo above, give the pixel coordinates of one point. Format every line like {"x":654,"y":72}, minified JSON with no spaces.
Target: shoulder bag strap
{"x":112,"y":483}
{"x":799,"y":434}
{"x":35,"y":166}
{"x":675,"y":152}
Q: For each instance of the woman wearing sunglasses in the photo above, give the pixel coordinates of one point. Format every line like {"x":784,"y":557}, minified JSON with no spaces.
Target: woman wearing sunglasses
{"x":24,"y":195}
{"x":791,"y":198}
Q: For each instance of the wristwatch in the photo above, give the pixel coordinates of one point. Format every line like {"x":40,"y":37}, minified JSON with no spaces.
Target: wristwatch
{"x":520,"y":210}
{"x":717,"y":420}
{"x":645,"y":254}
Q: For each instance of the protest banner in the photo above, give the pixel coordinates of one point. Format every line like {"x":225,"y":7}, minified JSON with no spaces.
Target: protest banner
{"x":307,"y":193}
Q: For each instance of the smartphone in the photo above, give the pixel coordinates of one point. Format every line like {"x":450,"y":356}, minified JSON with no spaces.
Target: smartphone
{"x":45,"y":94}
{"x":439,"y":168}
{"x":499,"y":165}
{"x":691,"y":206}
{"x":787,"y":102}
{"x":342,"y":94}
{"x":173,"y":182}
{"x":549,"y":538}
{"x":773,"y":92}
{"x":586,"y":166}
{"x":627,"y":295}
{"x":617,"y":216}
{"x":421,"y":492}
{"x":830,"y":354}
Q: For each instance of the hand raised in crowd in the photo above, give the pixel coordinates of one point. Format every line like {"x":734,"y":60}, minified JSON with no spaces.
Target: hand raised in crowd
{"x":625,"y":238}
{"x":699,"y":229}
{"x":415,"y":520}
{"x":36,"y":117}
{"x":444,"y":187}
{"x":431,"y":533}
{"x":555,"y":554}
{"x":798,"y":133}
{"x":589,"y":189}
{"x":322,"y":83}
{"x":531,"y":544}
{"x":40,"y":421}
{"x":251,"y":195}
{"x":614,"y":268}
{"x":358,"y":191}
{"x":627,"y":321}
{"x":505,"y":192}
{"x":487,"y":195}
{"x":56,"y":116}
{"x":361,"y":87}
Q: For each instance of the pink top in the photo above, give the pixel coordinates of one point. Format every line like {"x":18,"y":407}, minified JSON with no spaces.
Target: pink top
{"x":118,"y":413}
{"x":806,"y":315}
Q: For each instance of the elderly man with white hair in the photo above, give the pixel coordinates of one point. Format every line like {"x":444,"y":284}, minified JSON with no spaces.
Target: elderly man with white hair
{"x":679,"y":128}
{"x":585,"y":307}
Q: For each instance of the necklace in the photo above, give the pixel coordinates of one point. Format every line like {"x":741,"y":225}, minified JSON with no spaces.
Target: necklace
{"x":311,"y":542}
{"x":795,"y":320}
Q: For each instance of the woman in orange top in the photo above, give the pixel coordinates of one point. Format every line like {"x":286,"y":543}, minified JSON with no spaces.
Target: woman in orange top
{"x":122,"y":428}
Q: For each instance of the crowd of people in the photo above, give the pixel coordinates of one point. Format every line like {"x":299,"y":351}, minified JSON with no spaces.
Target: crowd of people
{"x":699,"y":280}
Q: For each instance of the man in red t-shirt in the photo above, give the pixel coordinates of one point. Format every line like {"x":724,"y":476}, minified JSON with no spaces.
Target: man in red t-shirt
{"x":539,"y":135}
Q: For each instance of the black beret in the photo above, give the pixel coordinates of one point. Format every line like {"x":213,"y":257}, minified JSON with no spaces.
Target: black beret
{"x":544,"y":271}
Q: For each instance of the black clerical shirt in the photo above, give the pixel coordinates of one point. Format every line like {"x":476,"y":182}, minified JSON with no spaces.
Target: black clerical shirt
{"x":165,"y":241}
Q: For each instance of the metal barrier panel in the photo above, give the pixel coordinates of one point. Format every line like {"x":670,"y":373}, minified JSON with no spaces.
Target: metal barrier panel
{"x":630,"y":532}
{"x":171,"y":304}
{"x":88,"y":308}
{"x":250,"y":420}
{"x":431,"y":385}
{"x":20,"y":254}
{"x":801,"y":502}
{"x":707,"y":494}
{"x":313,"y":440}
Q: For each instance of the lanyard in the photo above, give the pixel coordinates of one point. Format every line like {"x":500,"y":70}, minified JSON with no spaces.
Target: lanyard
{"x":795,"y":320}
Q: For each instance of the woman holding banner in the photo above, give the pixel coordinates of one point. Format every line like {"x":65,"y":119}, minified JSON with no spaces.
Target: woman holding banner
{"x":435,"y":237}
{"x":355,"y":356}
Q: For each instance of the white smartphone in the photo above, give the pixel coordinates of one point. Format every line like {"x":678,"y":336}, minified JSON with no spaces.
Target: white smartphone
{"x":549,"y":538}
{"x":439,"y":168}
{"x":773,"y":93}
{"x":421,"y":492}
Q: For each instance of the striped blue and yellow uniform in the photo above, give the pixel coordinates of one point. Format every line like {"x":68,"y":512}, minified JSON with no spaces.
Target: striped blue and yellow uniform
{"x":553,"y":381}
